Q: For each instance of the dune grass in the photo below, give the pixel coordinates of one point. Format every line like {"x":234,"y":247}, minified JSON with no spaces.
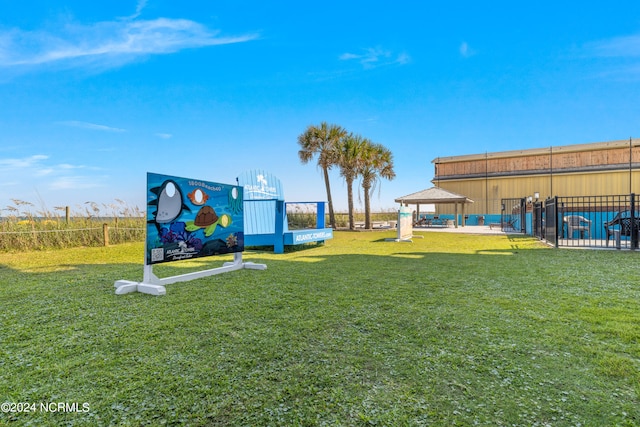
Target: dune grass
{"x":26,"y":228}
{"x":448,"y":330}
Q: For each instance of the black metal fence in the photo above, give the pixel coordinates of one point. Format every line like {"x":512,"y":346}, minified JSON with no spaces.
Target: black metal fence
{"x":513,"y":215}
{"x":550,"y":221}
{"x":536,"y":222}
{"x":588,"y":221}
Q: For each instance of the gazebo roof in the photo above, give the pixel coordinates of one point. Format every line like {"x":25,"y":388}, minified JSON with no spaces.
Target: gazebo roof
{"x":433,"y":195}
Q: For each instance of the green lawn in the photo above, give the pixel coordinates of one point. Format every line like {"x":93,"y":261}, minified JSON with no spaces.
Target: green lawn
{"x":448,"y":330}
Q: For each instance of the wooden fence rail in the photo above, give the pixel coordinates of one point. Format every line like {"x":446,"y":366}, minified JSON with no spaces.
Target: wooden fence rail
{"x":33,"y":236}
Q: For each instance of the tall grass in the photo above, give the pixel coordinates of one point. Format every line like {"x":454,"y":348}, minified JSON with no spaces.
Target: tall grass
{"x":304,"y":215}
{"x":301,"y":216}
{"x":24,"y":227}
{"x":342,"y":218}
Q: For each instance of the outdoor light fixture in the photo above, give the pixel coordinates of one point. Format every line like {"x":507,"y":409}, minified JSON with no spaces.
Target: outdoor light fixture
{"x":536,"y":196}
{"x":529,"y":199}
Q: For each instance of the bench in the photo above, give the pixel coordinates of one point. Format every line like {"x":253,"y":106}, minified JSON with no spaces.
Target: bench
{"x":434,"y":222}
{"x":509,"y":224}
{"x":620,"y":226}
{"x":376,"y":224}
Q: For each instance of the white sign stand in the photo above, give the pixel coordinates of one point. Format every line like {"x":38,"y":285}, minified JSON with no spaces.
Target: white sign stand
{"x":405,"y":226}
{"x":153,"y":285}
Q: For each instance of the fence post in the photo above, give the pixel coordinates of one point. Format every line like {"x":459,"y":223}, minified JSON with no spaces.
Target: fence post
{"x":320,"y":215}
{"x":33,"y":232}
{"x":634,"y":229}
{"x":67,"y":214}
{"x":278,"y":244}
{"x":558,"y":222}
{"x":105,"y":232}
{"x":523,"y":215}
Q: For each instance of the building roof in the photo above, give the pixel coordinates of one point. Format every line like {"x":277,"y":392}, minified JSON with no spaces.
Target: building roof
{"x":433,"y":195}
{"x":537,"y":151}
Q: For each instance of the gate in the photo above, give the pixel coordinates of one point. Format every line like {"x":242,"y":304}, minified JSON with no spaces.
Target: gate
{"x":538,"y":220}
{"x":550,"y":221}
{"x":513,"y":215}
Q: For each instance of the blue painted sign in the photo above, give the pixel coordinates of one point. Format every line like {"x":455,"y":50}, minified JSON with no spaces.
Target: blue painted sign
{"x":260,"y":185}
{"x":298,"y":237}
{"x":189,"y":218}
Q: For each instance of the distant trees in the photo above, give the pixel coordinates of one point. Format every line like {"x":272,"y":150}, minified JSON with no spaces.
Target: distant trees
{"x":349,"y":159}
{"x":322,"y":141}
{"x":377,"y":162}
{"x":355,"y":156}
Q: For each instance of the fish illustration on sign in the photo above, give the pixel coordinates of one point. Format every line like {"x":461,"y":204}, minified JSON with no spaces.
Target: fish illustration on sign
{"x":198,"y":197}
{"x":169,"y":202}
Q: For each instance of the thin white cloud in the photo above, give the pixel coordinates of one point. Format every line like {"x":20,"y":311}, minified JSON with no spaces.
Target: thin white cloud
{"x":26,"y":162}
{"x":348,"y":56}
{"x":616,"y":57}
{"x":625,"y":46}
{"x":91,"y":126}
{"x":75,"y":183}
{"x":465,"y":50}
{"x":44,"y":172}
{"x":39,"y":172}
{"x":164,"y":135}
{"x":403,"y":59}
{"x":139,"y":7}
{"x":376,"y":57}
{"x":32,"y":166}
{"x":68,"y":166}
{"x":107,"y":43}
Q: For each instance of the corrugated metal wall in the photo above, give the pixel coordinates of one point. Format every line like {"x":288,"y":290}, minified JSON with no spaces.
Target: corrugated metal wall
{"x":569,"y":158}
{"x":488,"y":192}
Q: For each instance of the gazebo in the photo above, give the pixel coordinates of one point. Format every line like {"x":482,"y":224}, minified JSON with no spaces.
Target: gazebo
{"x":435,"y":195}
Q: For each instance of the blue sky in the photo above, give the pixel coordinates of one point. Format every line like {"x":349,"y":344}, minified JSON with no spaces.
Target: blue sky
{"x":94,"y":95}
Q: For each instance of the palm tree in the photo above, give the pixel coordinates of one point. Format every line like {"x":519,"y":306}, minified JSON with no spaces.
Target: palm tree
{"x":349,"y":159}
{"x":376,"y":163}
{"x":322,"y":140}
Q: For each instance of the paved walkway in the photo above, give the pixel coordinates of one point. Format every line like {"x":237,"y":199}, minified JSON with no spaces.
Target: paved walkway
{"x":469,"y":229}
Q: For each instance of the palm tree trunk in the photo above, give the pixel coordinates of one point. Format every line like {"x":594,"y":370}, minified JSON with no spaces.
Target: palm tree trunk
{"x":332,"y":217}
{"x":352,"y":225}
{"x":367,"y":207}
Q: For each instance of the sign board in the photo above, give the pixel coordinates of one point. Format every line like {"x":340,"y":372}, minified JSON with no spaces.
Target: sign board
{"x":188,"y":218}
{"x":297,"y":237}
{"x":405,"y":226}
{"x":405,"y":223}
{"x":260,"y":185}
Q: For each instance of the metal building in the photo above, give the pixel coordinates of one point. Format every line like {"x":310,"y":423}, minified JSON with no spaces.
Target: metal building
{"x":603,"y":168}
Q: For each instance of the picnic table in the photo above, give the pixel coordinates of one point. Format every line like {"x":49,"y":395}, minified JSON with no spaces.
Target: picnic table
{"x":434,"y":222}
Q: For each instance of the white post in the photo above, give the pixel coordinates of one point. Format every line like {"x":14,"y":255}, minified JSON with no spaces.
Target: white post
{"x":455,"y":221}
{"x":152,"y":284}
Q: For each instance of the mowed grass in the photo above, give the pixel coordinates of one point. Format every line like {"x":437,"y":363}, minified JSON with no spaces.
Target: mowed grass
{"x":448,"y":330}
